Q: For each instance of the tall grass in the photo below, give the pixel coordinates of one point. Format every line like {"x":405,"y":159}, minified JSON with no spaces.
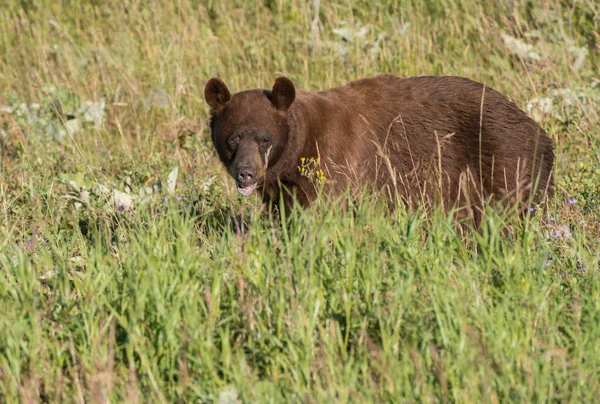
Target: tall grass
{"x":197,"y":294}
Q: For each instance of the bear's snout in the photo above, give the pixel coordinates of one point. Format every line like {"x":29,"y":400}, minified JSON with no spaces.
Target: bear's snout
{"x":246,"y":180}
{"x":247,"y":167}
{"x":246,"y":175}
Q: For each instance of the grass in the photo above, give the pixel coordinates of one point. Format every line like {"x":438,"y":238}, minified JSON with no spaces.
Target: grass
{"x":150,"y":294}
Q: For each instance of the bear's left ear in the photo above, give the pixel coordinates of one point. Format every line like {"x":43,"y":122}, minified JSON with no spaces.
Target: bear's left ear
{"x":283,"y":94}
{"x":216,"y":94}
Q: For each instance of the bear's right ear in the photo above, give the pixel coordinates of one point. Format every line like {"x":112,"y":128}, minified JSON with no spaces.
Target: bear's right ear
{"x":216,"y":94}
{"x":283,"y":94}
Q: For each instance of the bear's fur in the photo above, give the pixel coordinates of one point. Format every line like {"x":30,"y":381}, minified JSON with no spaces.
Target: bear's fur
{"x":397,"y":134}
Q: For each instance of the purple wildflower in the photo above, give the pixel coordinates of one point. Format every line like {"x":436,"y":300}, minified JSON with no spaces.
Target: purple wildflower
{"x":572,"y":201}
{"x":530,"y":210}
{"x":180,"y":198}
{"x":165,"y":198}
{"x":552,"y":219}
{"x":121,"y":208}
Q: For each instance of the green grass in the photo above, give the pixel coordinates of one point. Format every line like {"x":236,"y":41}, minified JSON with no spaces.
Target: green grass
{"x":167,"y":302}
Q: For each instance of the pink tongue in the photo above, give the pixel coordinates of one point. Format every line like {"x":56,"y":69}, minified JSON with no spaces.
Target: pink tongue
{"x":247,"y":190}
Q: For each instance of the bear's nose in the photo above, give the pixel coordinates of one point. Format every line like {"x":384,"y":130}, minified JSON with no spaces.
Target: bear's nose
{"x":246,"y":175}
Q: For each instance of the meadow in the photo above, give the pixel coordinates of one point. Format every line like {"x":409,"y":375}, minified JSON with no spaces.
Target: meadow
{"x":131,"y":270}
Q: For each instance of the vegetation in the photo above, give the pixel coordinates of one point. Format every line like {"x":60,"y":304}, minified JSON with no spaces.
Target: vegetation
{"x":130,"y":269}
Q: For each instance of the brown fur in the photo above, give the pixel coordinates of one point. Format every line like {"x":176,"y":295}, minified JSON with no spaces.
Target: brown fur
{"x":424,"y":138}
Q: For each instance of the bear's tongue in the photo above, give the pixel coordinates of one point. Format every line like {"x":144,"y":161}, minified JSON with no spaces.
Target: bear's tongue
{"x":247,"y":190}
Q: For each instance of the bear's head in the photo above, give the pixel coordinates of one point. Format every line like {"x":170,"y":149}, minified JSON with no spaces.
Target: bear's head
{"x":250,"y":129}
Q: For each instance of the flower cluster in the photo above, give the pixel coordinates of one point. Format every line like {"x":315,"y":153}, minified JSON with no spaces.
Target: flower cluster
{"x":309,"y":168}
{"x":321,"y":175}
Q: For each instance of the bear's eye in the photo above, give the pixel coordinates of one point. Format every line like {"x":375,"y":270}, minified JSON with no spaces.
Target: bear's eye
{"x":233,"y":141}
{"x":264,"y":142}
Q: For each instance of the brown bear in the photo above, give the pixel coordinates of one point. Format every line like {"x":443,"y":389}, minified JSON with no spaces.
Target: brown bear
{"x":419,"y":138}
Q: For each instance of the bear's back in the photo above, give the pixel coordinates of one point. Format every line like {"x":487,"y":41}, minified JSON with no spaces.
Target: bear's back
{"x":452,"y":123}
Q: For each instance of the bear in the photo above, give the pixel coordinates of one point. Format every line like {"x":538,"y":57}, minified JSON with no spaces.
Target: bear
{"x":425,"y":139}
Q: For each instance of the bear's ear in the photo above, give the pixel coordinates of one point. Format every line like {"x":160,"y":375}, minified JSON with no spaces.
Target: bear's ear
{"x":216,"y":94}
{"x":283,"y":94}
